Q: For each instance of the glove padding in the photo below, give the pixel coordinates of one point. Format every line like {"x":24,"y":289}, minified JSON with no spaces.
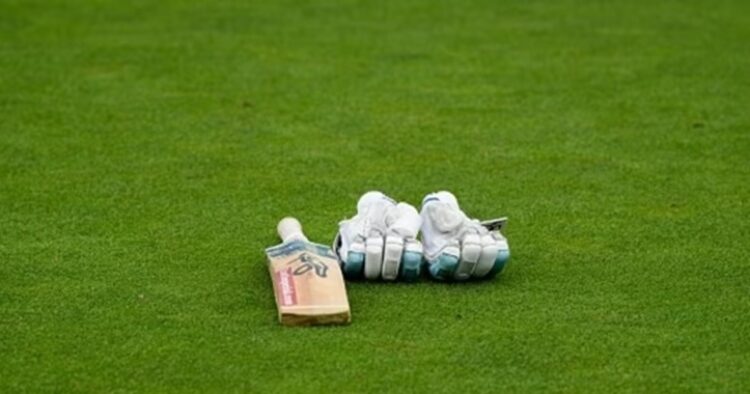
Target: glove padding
{"x":380,"y":241}
{"x":456,"y":247}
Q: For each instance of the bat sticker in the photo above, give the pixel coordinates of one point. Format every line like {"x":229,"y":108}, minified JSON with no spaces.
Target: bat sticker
{"x":307,"y":263}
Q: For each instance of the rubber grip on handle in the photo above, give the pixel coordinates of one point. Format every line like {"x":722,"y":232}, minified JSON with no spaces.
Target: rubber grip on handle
{"x":290,"y":229}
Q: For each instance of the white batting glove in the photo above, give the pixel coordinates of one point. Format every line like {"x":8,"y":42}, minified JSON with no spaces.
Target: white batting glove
{"x":456,"y":247}
{"x":380,"y":241}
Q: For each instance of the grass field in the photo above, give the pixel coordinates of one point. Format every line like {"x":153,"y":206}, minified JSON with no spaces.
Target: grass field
{"x":147,"y":150}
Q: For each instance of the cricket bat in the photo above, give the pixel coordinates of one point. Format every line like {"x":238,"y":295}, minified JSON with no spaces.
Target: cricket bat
{"x":307,"y":279}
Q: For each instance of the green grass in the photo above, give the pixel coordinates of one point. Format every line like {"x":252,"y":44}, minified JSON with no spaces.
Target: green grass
{"x":147,"y":150}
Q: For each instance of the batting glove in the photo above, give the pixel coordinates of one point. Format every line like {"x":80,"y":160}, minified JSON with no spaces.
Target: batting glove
{"x":380,"y":241}
{"x":459,"y":248}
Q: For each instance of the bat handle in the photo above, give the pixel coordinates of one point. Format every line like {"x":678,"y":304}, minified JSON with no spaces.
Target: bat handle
{"x":290,"y":229}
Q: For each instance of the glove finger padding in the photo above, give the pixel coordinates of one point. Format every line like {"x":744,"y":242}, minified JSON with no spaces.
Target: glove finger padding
{"x":373,"y":257}
{"x":487,"y":257}
{"x":394,"y":248}
{"x":471,"y":249}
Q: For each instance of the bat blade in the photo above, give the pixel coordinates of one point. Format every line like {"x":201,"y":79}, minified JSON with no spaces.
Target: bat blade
{"x":308,"y":284}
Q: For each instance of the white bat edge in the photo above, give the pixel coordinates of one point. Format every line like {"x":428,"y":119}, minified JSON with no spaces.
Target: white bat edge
{"x":290,"y":229}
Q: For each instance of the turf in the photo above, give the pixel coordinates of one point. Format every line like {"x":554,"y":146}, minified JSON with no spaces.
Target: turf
{"x":147,"y":150}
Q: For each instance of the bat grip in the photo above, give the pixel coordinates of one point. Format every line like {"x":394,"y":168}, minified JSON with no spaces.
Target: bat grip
{"x":290,"y":229}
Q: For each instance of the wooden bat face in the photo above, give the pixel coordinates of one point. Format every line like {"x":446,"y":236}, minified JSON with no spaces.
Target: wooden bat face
{"x":308,"y":284}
